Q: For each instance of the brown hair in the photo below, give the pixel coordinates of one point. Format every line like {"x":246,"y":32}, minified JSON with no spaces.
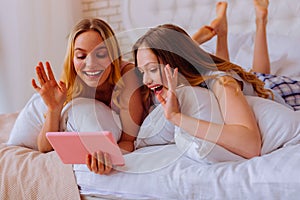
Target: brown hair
{"x":172,"y":45}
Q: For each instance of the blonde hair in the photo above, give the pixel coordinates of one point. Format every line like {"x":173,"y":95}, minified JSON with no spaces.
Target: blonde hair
{"x":76,"y":87}
{"x":172,"y":45}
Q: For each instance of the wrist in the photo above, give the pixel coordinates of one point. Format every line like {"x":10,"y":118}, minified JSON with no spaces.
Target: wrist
{"x":175,"y":119}
{"x":53,"y":113}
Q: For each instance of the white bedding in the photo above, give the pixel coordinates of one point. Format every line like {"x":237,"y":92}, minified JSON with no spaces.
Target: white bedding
{"x":176,"y":174}
{"x":165,"y":173}
{"x":160,"y":176}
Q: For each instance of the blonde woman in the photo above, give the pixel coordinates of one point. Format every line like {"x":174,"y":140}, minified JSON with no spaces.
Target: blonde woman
{"x":93,"y":69}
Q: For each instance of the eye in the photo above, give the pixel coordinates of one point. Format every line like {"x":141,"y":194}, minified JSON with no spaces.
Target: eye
{"x":80,"y":56}
{"x":102,"y":53}
{"x":153,"y":70}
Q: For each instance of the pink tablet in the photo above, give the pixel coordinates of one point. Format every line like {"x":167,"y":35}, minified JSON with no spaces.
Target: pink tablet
{"x":72,"y":147}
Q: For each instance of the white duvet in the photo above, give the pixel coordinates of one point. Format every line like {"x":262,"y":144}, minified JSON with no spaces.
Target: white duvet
{"x":158,"y":175}
{"x":163,"y":171}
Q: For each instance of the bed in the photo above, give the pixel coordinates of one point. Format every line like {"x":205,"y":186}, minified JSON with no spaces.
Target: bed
{"x":161,"y":171}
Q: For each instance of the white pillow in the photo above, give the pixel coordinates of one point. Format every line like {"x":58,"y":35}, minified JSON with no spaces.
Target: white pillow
{"x":88,"y":115}
{"x":155,"y":130}
{"x":28,"y":123}
{"x":81,"y":114}
{"x":278,"y":124}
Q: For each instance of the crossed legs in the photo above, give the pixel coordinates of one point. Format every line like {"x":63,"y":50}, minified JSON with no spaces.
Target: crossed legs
{"x":219,"y":27}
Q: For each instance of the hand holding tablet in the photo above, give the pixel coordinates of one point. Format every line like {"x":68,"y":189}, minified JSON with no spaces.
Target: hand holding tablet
{"x":72,"y":147}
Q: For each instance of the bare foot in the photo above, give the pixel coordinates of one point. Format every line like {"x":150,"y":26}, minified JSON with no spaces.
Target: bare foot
{"x":220,"y":23}
{"x":261,"y":10}
{"x":204,"y":34}
{"x":217,"y":27}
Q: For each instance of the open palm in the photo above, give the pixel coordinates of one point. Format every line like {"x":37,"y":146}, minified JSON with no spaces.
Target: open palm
{"x":53,"y":93}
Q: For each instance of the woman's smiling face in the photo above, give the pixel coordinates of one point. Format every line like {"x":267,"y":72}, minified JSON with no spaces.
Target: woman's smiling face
{"x":91,"y":58}
{"x":153,"y":72}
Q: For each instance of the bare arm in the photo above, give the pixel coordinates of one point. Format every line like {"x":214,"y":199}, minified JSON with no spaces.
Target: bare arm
{"x":131,"y":113}
{"x":54,"y":95}
{"x":239,"y":134}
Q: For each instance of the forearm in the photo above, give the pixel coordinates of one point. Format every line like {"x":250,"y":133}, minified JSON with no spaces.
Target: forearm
{"x":52,"y":121}
{"x":235,"y":138}
{"x":126,"y":146}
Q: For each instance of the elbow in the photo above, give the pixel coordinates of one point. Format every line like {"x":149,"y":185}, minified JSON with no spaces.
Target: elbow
{"x":43,"y":149}
{"x":254,"y":151}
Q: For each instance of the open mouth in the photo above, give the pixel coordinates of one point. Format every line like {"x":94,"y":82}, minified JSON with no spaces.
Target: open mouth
{"x":94,"y":73}
{"x":157,"y":89}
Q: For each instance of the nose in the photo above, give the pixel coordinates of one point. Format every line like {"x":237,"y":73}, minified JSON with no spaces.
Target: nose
{"x":91,"y":61}
{"x":147,"y":80}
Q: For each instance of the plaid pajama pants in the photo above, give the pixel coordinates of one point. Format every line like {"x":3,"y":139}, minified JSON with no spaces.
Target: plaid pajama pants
{"x":286,"y":87}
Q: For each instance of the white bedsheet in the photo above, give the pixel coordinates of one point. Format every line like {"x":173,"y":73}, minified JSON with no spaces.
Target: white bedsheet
{"x":165,"y":172}
{"x":156,"y":176}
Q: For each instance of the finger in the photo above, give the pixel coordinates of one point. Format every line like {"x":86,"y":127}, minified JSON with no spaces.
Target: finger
{"x":62,"y":86}
{"x":88,"y":160}
{"x":160,"y":99}
{"x":43,"y":73}
{"x":175,"y":76}
{"x":174,"y":79}
{"x":108,"y":163}
{"x":49,"y":71}
{"x":171,"y":78}
{"x":39,"y":75}
{"x":35,"y":86}
{"x":101,"y":164}
{"x":94,"y":166}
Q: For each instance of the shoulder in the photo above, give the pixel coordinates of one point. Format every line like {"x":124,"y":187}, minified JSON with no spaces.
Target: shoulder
{"x":199,"y":102}
{"x":219,"y":77}
{"x":189,"y":96}
{"x":189,"y":91}
{"x":126,"y":66}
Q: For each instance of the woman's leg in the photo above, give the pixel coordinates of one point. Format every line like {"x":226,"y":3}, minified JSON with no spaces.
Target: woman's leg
{"x":220,"y":26}
{"x":217,"y":27}
{"x":261,"y":61}
{"x":204,"y":34}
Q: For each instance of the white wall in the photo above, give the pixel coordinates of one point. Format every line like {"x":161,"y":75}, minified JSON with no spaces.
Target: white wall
{"x":31,"y":31}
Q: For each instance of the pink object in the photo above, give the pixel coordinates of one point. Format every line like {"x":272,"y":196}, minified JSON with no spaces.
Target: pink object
{"x":72,"y":147}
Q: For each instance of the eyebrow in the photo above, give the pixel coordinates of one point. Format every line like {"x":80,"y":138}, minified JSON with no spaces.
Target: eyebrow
{"x":97,"y":48}
{"x":147,"y":64}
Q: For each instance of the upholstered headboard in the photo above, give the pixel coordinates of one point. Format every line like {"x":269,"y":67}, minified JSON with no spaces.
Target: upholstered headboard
{"x":284,"y":16}
{"x":283,"y":26}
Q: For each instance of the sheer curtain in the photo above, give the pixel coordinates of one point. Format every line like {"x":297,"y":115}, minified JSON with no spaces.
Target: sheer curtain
{"x":31,"y":31}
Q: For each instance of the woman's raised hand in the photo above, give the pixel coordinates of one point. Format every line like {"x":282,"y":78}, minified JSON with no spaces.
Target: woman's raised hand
{"x":170,"y":103}
{"x":54,"y":94}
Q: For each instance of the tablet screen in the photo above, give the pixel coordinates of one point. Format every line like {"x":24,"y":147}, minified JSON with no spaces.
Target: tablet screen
{"x":72,"y":147}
